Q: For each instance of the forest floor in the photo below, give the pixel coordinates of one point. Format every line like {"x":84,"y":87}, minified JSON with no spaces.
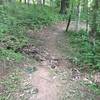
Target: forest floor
{"x":54,"y":76}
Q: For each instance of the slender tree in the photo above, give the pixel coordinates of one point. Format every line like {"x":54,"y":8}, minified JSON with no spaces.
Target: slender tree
{"x":43,"y":2}
{"x":95,"y":9}
{"x":70,"y":15}
{"x":28,"y":2}
{"x":64,"y":6}
{"x":20,"y":0}
{"x":78,"y":13}
{"x":25,"y":1}
{"x":39,"y":2}
{"x":87,"y":17}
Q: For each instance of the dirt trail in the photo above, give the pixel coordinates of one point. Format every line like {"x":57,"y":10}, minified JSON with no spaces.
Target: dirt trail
{"x":43,"y":79}
{"x":48,"y":82}
{"x":48,"y":85}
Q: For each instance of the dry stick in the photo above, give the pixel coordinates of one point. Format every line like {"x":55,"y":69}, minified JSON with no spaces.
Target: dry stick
{"x":69,"y":20}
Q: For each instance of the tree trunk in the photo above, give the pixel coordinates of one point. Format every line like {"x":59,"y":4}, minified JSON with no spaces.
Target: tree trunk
{"x":78,"y":17}
{"x":28,"y":2}
{"x":69,"y":20}
{"x":43,"y":2}
{"x":33,"y":1}
{"x":64,"y":6}
{"x":51,"y":3}
{"x":87,"y":19}
{"x":25,"y":1}
{"x":94,"y":18}
{"x":20,"y":0}
{"x":39,"y":2}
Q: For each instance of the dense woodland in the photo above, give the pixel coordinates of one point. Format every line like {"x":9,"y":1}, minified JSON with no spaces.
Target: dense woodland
{"x":19,"y":16}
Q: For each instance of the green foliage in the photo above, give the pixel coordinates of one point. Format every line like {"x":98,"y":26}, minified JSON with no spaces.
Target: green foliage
{"x":11,"y":84}
{"x":33,"y":15}
{"x":85,"y":53}
{"x":10,"y":55}
{"x":12,"y":42}
{"x":15,"y":20}
{"x":95,"y":88}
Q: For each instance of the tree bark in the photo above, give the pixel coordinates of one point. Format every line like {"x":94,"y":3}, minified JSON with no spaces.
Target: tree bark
{"x":28,"y":2}
{"x":20,"y":0}
{"x":78,"y":16}
{"x":87,"y":11}
{"x":64,"y":6}
{"x":25,"y":1}
{"x":39,"y":2}
{"x":43,"y":2}
{"x":69,"y":20}
{"x":94,"y":18}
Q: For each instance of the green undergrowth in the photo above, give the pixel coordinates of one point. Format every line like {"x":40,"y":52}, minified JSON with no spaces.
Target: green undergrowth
{"x":10,"y":85}
{"x":95,"y":88}
{"x":92,"y":88}
{"x":86,"y":55}
{"x":10,"y":55}
{"x":15,"y":20}
{"x":77,"y":47}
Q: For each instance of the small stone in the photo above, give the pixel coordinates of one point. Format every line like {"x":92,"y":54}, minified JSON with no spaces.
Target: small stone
{"x":87,"y":81}
{"x":34,"y":91}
